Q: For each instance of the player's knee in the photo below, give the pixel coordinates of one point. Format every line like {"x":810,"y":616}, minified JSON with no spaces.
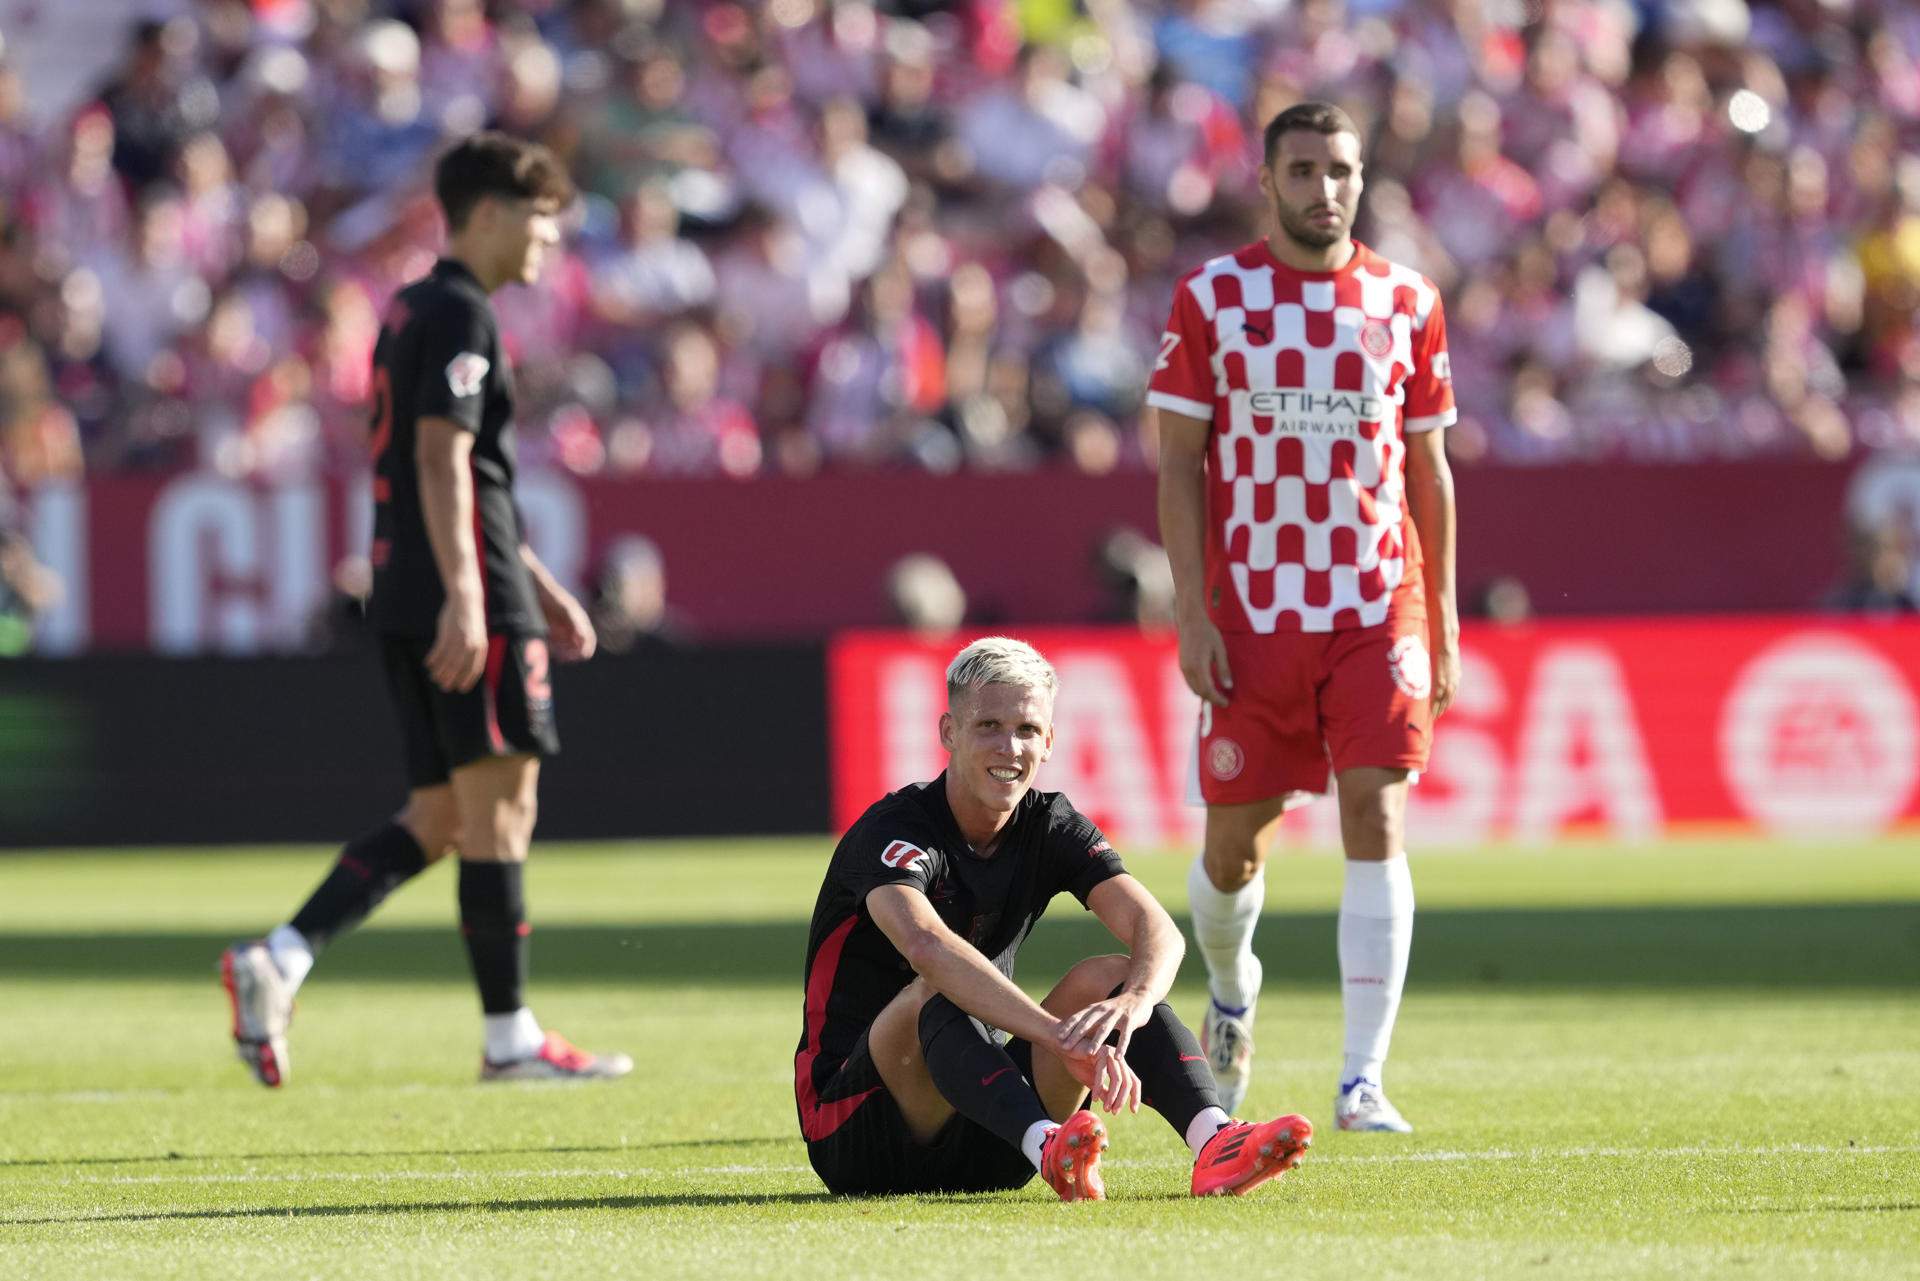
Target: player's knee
{"x":1372,"y":824}
{"x":1231,"y":865}
{"x":1095,"y":979}
{"x":938,"y":1015}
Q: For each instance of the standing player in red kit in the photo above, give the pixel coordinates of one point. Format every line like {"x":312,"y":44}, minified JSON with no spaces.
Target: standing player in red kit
{"x":1303,"y":393}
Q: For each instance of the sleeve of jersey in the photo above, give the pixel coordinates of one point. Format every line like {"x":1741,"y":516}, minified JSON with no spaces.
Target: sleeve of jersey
{"x":1183,"y":376}
{"x":1082,"y":855}
{"x":454,"y":364}
{"x":886,"y":857}
{"x":1429,"y":402}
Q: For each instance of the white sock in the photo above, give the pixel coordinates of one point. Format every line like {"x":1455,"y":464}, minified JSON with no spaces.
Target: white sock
{"x":514,"y":1036}
{"x":1223,"y":929}
{"x":1376,"y":932}
{"x":1204,"y":1127}
{"x":291,"y":954}
{"x":1036,"y":1138}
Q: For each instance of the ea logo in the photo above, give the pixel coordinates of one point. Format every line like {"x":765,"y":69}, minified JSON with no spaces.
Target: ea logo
{"x":1376,"y":339}
{"x":1225,"y":759}
{"x":1411,"y":669}
{"x":1819,"y":735}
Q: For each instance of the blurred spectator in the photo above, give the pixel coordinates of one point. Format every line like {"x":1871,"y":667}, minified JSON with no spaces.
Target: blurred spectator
{"x":1037,"y":128}
{"x":28,"y":590}
{"x":651,"y":271}
{"x":1504,"y":600}
{"x":39,"y":437}
{"x":924,"y":595}
{"x":1880,"y":572}
{"x":697,"y":430}
{"x":1139,"y":582}
{"x":630,"y":611}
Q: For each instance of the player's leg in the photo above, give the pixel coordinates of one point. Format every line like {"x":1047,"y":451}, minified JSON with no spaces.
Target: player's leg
{"x":937,"y":1062}
{"x":262,"y":976}
{"x":1260,"y":753}
{"x":496,"y":735}
{"x":371,"y":867}
{"x":1378,"y":725}
{"x":1375,"y":938}
{"x":1226,"y":889}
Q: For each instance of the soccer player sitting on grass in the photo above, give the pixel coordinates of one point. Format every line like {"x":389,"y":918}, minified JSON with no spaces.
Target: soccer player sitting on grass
{"x":922,"y":1067}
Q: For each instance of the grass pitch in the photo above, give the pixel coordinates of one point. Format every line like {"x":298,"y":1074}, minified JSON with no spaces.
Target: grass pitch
{"x":1673,"y":1060}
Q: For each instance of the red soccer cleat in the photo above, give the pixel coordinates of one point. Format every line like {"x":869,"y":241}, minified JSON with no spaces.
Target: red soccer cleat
{"x":1241,"y":1156}
{"x":1070,"y":1158}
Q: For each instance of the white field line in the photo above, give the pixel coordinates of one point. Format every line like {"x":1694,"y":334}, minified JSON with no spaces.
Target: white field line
{"x":671,"y":1172}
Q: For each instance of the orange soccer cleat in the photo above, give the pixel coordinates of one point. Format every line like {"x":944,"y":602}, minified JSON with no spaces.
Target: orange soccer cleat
{"x":1241,"y":1155}
{"x":1070,"y":1158}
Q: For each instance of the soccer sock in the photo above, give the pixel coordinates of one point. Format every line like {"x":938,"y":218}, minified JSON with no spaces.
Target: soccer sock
{"x":493,"y":918}
{"x":1376,"y":933}
{"x":515,"y":1036}
{"x":291,"y":954}
{"x":1223,"y":928}
{"x":1036,"y":1139}
{"x":371,"y":867}
{"x":974,"y":1072}
{"x":1203,"y":1127}
{"x":1175,"y":1080}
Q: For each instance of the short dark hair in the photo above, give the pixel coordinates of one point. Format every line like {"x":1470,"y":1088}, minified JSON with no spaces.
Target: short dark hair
{"x":497,"y":164}
{"x":1315,"y":117}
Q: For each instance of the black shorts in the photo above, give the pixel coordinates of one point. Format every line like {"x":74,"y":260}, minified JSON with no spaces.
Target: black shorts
{"x":872,"y":1153}
{"x":508,"y":712}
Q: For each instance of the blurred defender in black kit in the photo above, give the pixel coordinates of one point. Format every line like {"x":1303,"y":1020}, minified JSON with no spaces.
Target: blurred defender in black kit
{"x":467,"y":619}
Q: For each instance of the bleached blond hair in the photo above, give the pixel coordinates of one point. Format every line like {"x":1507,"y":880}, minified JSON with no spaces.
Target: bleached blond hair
{"x":1000,"y":660}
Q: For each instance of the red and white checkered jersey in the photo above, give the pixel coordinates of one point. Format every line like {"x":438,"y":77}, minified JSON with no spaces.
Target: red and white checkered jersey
{"x":1310,"y":381}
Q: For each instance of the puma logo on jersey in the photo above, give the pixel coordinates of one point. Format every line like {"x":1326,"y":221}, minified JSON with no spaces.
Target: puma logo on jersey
{"x":901,"y":854}
{"x":1263,"y":332}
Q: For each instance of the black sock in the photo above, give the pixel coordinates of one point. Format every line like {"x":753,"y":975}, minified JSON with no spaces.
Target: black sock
{"x":975,"y":1073}
{"x":493,"y":917}
{"x":1175,"y":1080}
{"x":371,"y":867}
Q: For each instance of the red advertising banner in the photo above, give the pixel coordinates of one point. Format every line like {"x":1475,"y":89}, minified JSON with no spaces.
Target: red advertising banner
{"x":1624,"y":728}
{"x":196,"y":562}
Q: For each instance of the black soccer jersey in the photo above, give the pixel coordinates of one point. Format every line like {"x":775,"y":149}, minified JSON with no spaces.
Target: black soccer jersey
{"x":439,"y":357}
{"x":909,"y":837}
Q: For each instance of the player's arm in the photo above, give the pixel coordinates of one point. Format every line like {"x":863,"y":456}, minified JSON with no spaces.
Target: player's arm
{"x":954,"y":967}
{"x":1183,"y":531}
{"x":441,"y":456}
{"x":1430,"y":500}
{"x":573,"y":635}
{"x":1136,"y":918}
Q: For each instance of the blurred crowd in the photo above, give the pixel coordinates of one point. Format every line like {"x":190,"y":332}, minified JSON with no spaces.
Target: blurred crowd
{"x":944,"y":233}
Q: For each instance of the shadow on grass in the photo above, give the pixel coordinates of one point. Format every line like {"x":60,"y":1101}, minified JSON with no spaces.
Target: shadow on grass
{"x":655,"y":1201}
{"x":1826,"y":945}
{"x":183,"y":1158}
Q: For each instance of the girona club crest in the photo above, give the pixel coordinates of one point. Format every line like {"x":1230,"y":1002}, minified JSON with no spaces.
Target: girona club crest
{"x":1411,"y":669}
{"x":1376,"y":339}
{"x":1225,"y":759}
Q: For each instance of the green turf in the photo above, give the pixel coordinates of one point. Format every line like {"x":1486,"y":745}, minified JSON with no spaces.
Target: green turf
{"x":1670,"y":1060}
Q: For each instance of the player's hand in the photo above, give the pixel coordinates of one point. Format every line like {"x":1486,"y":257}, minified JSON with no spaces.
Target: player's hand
{"x":1203,"y":659}
{"x":1446,"y":674}
{"x":459,"y":652}
{"x":573,"y":638}
{"x":1115,"y":1018}
{"x":1111,"y":1080}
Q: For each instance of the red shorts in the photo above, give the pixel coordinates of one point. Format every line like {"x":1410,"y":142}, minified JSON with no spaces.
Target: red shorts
{"x":1358,"y":697}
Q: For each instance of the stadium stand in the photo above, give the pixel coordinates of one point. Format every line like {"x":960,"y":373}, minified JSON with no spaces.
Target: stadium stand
{"x":826,"y":235}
